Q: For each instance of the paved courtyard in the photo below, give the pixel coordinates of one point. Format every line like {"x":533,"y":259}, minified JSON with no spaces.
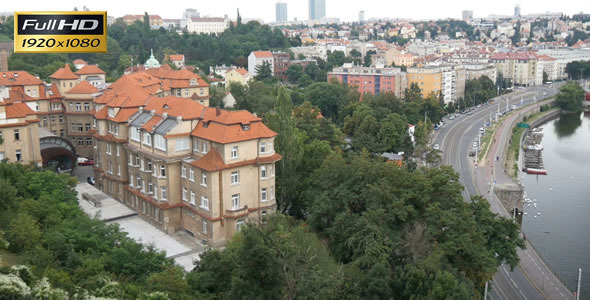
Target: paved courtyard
{"x":183,"y":249}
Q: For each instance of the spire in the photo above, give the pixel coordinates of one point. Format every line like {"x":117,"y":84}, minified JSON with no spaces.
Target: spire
{"x":151,"y":52}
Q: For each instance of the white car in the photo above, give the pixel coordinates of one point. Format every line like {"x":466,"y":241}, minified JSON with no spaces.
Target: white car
{"x":436,"y":147}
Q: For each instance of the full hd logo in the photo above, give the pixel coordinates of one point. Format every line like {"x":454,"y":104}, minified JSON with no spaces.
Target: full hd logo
{"x":60,"y":32}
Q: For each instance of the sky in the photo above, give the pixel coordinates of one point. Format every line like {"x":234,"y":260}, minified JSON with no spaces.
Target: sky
{"x":346,"y":10}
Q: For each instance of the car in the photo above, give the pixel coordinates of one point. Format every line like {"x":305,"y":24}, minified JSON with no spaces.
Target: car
{"x":90,"y":180}
{"x":472,"y":152}
{"x":436,"y":147}
{"x":83,"y":161}
{"x":451,"y":117}
{"x":513,"y":107}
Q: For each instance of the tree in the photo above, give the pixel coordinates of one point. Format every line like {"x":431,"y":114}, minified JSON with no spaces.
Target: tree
{"x":263,"y":71}
{"x":23,"y":233}
{"x":570,"y":97}
{"x":294,"y":72}
{"x":289,"y":143}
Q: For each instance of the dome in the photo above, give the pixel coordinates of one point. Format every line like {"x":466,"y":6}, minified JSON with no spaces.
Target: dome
{"x":152,"y":62}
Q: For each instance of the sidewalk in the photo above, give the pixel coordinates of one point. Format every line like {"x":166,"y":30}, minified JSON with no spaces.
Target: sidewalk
{"x":178,"y":246}
{"x":531,"y":264}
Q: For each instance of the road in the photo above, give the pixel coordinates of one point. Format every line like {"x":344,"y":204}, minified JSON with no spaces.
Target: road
{"x":455,"y":139}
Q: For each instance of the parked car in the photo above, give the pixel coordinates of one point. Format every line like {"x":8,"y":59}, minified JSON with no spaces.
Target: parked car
{"x":83,"y":161}
{"x":90,"y":180}
{"x":513,"y":107}
{"x":436,"y":147}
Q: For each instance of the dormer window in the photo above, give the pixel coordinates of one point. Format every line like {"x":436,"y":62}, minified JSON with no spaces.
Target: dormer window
{"x":166,"y":106}
{"x":193,"y":81}
{"x":246,"y":127}
{"x":205,"y":125}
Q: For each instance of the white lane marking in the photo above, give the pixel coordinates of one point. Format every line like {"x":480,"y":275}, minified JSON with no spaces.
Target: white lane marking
{"x":514,"y":283}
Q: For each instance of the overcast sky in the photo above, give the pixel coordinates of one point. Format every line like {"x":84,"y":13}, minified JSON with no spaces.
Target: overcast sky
{"x":346,"y":10}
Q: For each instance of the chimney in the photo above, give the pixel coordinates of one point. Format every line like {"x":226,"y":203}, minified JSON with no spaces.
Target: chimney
{"x":165,"y":115}
{"x":141,"y":109}
{"x":179,"y":119}
{"x":153,"y":112}
{"x":217,"y":111}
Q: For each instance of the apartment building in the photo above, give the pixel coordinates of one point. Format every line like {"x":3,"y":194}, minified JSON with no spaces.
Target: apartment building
{"x":429,"y":79}
{"x":238,"y":75}
{"x":371,"y":80}
{"x":477,"y":70}
{"x":181,"y":165}
{"x":19,"y":135}
{"x":522,"y":68}
{"x":281,"y":63}
{"x":258,"y":58}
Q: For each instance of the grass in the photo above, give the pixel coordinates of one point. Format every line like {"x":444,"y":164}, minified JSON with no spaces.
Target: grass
{"x":487,"y":137}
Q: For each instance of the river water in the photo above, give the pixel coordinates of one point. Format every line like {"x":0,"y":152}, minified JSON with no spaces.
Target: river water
{"x":561,"y":232}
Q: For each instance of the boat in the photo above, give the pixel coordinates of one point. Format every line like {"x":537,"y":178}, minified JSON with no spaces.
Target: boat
{"x":536,"y":171}
{"x":537,"y":147}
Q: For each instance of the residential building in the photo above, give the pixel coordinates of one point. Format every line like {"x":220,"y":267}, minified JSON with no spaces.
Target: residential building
{"x":467,"y":15}
{"x":19,"y":133}
{"x":371,"y":80}
{"x":317,"y":9}
{"x":281,"y":62}
{"x":428,"y":79}
{"x":181,"y":165}
{"x":562,"y":58}
{"x":281,"y":12}
{"x":238,"y":75}
{"x":258,"y":58}
{"x":477,"y":70}
{"x":177,"y":60}
{"x":154,"y":20}
{"x":79,"y":63}
{"x":207,"y":25}
{"x":522,"y":68}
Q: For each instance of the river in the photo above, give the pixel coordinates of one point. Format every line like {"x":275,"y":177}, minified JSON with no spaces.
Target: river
{"x":561,"y":229}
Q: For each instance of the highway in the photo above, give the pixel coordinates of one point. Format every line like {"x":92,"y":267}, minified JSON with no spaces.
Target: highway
{"x":455,"y":139}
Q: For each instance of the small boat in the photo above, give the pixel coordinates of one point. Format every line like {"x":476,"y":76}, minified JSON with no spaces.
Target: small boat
{"x":537,"y":147}
{"x":536,"y":171}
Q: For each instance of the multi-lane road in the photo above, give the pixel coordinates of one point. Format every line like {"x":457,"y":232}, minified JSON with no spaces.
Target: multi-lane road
{"x":455,"y":139}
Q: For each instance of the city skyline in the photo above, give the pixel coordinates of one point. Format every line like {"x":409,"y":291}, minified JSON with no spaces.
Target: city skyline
{"x":265,"y":9}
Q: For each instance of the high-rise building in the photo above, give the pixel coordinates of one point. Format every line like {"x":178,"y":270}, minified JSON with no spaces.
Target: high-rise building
{"x":467,"y":15}
{"x":281,"y":12}
{"x":361,"y":16}
{"x":317,"y":9}
{"x":190,"y":13}
{"x":517,"y":10}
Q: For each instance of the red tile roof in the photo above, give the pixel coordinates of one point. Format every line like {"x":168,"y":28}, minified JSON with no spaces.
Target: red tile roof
{"x":64,"y":73}
{"x":225,"y":134}
{"x":514,"y":56}
{"x":242,"y":71}
{"x":212,"y":161}
{"x":21,"y":78}
{"x":83,"y":87}
{"x":176,"y":57}
{"x":90,"y":69}
{"x":175,"y":106}
{"x":79,"y":61}
{"x":18,"y":110}
{"x":149,"y":125}
{"x":260,"y":54}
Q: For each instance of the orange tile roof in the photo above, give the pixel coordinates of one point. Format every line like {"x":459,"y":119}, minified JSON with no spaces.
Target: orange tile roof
{"x":83,"y":87}
{"x":229,"y":117}
{"x":90,"y":69}
{"x":262,"y":53}
{"x":175,"y":106}
{"x":122,"y":116}
{"x":212,"y":161}
{"x":22,"y":78}
{"x":64,"y":73}
{"x":242,"y":71}
{"x":224,"y":134}
{"x":79,"y":61}
{"x":17,"y":95}
{"x":18,"y":110}
{"x":175,"y":57}
{"x":149,"y":125}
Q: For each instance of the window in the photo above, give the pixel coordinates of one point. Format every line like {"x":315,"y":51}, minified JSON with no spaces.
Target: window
{"x":204,"y":202}
{"x":191,"y":175}
{"x":205,"y":146}
{"x":119,"y":170}
{"x":162,"y":170}
{"x":160,"y":142}
{"x":235,"y":202}
{"x":204,"y":227}
{"x":88,"y":141}
{"x":138,"y":182}
{"x":263,"y":196}
{"x":235,"y":177}
{"x":263,"y":147}
{"x":80,"y":127}
{"x":186,"y":92}
{"x":55,"y":106}
{"x":150,"y":188}
{"x":142,"y":165}
{"x":272,"y":193}
{"x":108,"y":149}
{"x":130,"y":180}
{"x":53,"y":119}
{"x":182,"y":144}
{"x":155,"y":192}
{"x":19,"y":156}
{"x":130,"y":159}
{"x":71,"y":106}
{"x":196,"y":145}
{"x":78,"y":106}
{"x":134,"y":133}
{"x":239,"y":225}
{"x":149,"y":165}
{"x":183,"y":172}
{"x":61,"y":119}
{"x":147,"y":139}
{"x":204,"y":179}
{"x":137,"y":159}
{"x":184,"y":193}
{"x":234,"y":152}
{"x":263,"y":172}
{"x":164,"y":193}
{"x":16,"y":135}
{"x":118,"y":150}
{"x":193,"y":198}
{"x":270,"y":170}
{"x":178,"y":91}
{"x":1,"y":156}
{"x":86,"y":106}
